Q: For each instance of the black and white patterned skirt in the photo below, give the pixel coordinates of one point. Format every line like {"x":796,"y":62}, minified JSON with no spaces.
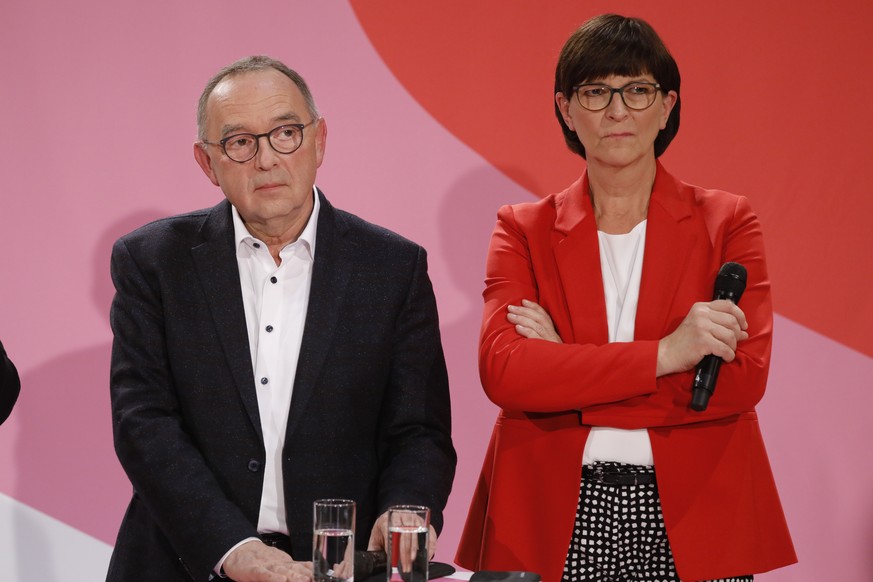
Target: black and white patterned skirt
{"x":619,"y":533}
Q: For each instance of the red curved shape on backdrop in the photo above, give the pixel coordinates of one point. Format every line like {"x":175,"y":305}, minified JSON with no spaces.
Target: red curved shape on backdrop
{"x":773,"y":108}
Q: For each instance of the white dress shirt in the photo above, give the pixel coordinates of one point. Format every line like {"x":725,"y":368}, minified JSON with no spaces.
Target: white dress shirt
{"x":275,"y":299}
{"x":621,"y":264}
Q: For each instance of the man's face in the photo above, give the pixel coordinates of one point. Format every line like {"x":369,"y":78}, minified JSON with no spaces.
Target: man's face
{"x":272,"y":190}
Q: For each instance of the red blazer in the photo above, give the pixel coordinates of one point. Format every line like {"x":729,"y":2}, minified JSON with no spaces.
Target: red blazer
{"x":721,"y":508}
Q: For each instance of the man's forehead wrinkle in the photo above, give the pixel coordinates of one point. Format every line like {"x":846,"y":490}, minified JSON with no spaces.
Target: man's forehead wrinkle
{"x":229,"y":100}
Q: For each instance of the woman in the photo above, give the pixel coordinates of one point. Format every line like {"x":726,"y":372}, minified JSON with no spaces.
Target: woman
{"x":597,"y":310}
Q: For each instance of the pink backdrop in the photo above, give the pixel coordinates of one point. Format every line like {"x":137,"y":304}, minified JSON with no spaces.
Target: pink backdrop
{"x":437,"y":115}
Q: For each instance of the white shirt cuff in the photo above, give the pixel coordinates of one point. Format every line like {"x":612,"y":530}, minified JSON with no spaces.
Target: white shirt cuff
{"x":220,"y":564}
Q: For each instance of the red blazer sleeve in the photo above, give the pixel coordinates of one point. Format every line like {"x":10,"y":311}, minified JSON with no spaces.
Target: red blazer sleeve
{"x":691,"y":233}
{"x":536,"y":375}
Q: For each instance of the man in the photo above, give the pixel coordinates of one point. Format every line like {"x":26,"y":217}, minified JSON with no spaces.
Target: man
{"x":10,"y":385}
{"x":269,"y":351}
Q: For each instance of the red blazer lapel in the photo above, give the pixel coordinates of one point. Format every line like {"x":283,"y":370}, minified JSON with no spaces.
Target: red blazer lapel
{"x":577,"y":255}
{"x":669,"y":235}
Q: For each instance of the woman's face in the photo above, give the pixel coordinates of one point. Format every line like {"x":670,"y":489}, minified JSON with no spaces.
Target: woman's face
{"x":617,"y":136}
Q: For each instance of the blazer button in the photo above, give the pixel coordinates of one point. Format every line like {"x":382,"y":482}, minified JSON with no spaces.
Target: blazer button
{"x":254,"y":465}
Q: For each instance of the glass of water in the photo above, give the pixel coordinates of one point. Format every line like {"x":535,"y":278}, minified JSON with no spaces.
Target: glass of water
{"x":407,"y":543}
{"x":333,"y":540}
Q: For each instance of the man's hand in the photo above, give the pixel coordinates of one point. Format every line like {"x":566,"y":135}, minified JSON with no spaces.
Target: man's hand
{"x":379,"y":537}
{"x":255,"y":561}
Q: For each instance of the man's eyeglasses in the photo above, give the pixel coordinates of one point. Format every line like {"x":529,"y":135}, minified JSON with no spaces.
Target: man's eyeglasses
{"x":241,"y":147}
{"x":597,"y":96}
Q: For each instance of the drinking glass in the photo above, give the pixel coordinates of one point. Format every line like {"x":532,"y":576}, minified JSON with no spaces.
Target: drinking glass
{"x":333,"y":540}
{"x":407,"y":543}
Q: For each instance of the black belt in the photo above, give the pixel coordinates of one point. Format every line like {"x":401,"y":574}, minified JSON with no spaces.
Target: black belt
{"x":603,"y":476}
{"x":277,"y":540}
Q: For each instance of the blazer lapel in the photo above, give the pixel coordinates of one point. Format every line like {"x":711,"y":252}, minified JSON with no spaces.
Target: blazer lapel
{"x":215,"y":261}
{"x":331,"y":271}
{"x":668,"y":238}
{"x":577,"y":254}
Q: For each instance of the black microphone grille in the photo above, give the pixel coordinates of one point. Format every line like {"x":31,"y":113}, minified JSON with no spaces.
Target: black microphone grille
{"x":734,"y":271}
{"x":731,"y":281}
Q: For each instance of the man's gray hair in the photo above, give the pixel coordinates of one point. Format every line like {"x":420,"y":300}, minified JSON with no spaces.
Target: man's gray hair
{"x":253,"y":63}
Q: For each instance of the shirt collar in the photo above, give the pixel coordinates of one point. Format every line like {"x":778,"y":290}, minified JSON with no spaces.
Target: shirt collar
{"x":242,"y":235}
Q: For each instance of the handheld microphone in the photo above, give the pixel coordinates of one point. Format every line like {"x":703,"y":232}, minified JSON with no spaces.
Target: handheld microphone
{"x":369,"y":563}
{"x":729,"y":284}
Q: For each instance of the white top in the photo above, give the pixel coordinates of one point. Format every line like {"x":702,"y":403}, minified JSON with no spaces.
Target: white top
{"x":621,"y":264}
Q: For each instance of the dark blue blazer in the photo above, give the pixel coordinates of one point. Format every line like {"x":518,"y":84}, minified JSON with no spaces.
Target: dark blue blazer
{"x":10,"y":385}
{"x":369,"y":417}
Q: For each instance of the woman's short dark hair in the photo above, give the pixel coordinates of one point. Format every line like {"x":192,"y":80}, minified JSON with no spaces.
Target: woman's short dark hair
{"x":610,"y":44}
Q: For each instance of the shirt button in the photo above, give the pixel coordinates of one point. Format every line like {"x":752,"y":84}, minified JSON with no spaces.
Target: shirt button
{"x":254,"y":466}
{"x":269,"y":328}
{"x":264,"y":380}
{"x":256,"y":245}
{"x":274,"y":280}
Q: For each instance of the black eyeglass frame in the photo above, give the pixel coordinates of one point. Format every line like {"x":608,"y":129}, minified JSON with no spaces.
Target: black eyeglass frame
{"x":613,"y":91}
{"x":257,"y":140}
